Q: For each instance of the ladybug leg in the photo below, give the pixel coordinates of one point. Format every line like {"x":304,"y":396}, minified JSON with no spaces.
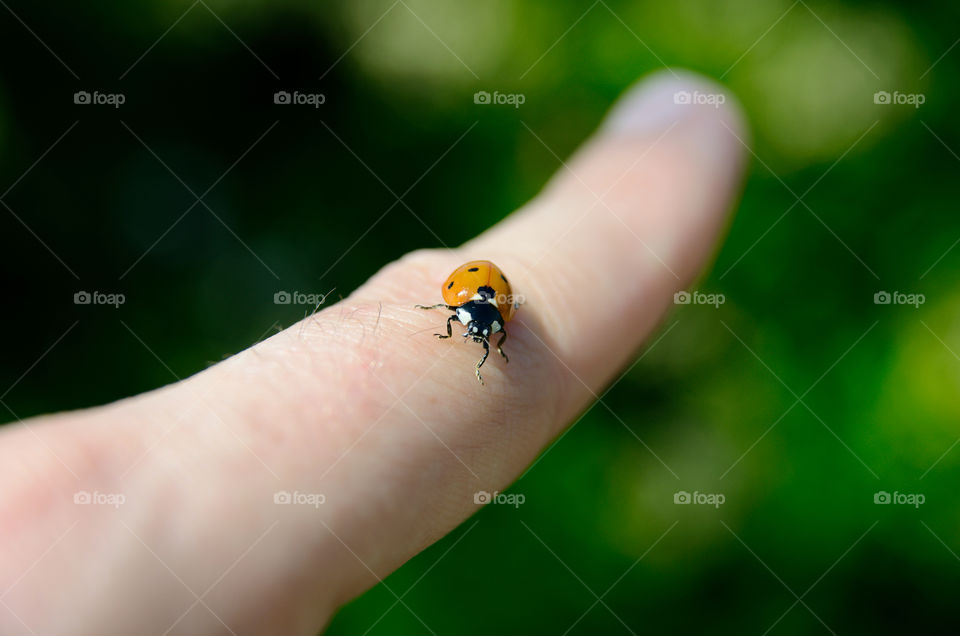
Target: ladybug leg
{"x":486,"y":352}
{"x":503,"y":338}
{"x":449,"y":320}
{"x":431,"y":306}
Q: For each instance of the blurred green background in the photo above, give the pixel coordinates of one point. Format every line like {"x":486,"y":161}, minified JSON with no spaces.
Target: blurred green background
{"x":90,"y":204}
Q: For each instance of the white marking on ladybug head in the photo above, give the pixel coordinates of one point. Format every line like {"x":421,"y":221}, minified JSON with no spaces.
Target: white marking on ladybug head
{"x":487,"y":299}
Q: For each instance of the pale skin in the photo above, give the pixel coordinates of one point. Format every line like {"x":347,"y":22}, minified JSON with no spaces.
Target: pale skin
{"x":365,"y":406}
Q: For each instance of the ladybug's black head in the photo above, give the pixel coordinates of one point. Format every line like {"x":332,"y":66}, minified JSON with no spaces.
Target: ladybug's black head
{"x":478,"y":330}
{"x":484,"y":320}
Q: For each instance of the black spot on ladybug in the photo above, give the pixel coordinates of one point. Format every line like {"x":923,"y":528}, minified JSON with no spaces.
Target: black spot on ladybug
{"x":486,"y":293}
{"x":503,"y":277}
{"x":450,"y":286}
{"x":474,"y":269}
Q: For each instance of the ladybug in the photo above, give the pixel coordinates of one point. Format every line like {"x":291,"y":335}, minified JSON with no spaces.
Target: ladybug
{"x":482,"y":300}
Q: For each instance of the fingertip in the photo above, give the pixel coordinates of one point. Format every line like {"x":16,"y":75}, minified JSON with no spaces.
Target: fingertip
{"x":663,"y":99}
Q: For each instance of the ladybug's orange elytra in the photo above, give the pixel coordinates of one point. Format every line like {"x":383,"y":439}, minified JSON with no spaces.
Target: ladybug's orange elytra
{"x":464,"y":283}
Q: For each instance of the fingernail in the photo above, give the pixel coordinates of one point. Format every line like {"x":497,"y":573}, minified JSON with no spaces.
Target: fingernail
{"x":662,"y":100}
